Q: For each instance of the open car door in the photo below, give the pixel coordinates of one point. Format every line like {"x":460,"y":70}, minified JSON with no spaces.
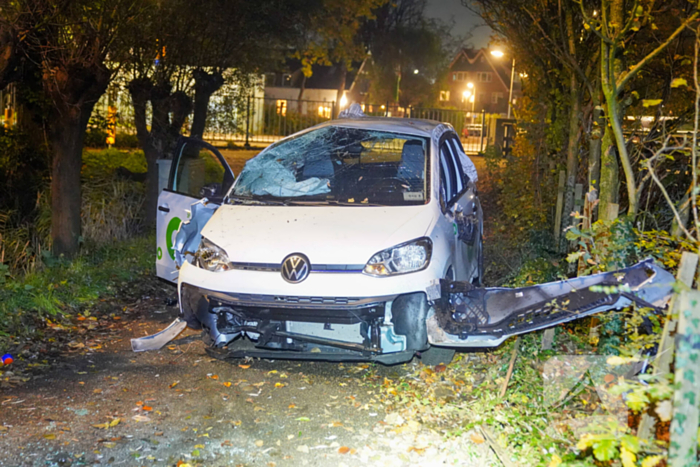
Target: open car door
{"x":198,"y":171}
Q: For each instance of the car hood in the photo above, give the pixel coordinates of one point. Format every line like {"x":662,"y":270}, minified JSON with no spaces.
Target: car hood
{"x":325,"y":234}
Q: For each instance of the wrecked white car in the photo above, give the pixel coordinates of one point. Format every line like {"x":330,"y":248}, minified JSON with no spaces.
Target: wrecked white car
{"x":358,"y":239}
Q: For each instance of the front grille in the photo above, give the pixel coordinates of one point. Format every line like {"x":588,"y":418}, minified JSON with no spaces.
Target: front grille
{"x":317,"y":300}
{"x":275,"y":267}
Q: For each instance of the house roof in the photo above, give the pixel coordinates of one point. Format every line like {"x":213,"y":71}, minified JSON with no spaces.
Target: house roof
{"x":501,"y":69}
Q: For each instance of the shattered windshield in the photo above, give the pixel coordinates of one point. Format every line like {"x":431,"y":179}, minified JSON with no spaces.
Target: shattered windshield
{"x":336,"y":165}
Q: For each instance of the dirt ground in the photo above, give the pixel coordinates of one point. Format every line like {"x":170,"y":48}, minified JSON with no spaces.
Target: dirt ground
{"x":95,"y":402}
{"x":82,"y":397}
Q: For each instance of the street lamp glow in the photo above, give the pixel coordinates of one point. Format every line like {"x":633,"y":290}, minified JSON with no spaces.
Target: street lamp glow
{"x":343,"y":101}
{"x":470,"y":85}
{"x":415,"y":72}
{"x":466,"y":94}
{"x":497,"y":53}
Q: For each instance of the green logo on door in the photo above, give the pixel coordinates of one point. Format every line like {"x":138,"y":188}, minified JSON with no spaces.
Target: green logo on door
{"x":173,"y":225}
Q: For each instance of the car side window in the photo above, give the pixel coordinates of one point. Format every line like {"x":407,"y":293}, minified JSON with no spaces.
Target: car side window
{"x":456,"y":146}
{"x":448,"y":174}
{"x":200,"y":173}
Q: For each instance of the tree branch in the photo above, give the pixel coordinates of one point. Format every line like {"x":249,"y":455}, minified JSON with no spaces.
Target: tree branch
{"x":636,"y":68}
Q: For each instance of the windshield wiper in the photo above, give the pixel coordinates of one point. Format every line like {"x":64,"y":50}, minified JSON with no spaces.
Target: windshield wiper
{"x":256,"y":202}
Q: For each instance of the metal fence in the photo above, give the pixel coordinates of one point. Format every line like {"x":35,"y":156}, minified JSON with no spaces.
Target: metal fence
{"x":261,"y":121}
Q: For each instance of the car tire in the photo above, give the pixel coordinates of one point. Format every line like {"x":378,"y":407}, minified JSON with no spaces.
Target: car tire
{"x":437,"y":355}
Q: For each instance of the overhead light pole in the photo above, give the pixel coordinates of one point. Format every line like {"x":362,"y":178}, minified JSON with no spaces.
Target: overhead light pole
{"x":500,"y":54}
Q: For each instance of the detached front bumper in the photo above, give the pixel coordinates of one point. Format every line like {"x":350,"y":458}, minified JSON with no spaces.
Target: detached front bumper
{"x":389,"y":328}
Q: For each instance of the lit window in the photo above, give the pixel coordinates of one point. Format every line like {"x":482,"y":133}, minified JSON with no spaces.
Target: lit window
{"x":324,"y":111}
{"x":484,"y":76}
{"x":282,"y":107}
{"x":444,"y":96}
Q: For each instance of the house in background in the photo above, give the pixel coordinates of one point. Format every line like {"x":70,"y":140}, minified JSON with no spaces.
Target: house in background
{"x":477,"y":73}
{"x":320,"y":90}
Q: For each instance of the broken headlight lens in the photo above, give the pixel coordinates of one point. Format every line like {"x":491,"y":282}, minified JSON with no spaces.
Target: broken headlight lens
{"x":211,"y":257}
{"x":408,"y":257}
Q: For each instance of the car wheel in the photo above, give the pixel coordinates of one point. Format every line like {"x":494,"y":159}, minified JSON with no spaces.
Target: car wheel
{"x":437,"y":355}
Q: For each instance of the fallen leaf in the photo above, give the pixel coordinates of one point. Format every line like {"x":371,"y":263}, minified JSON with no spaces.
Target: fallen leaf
{"x":440,"y":368}
{"x":609,"y":378}
{"x":343,"y":450}
{"x":259,"y":443}
{"x":227,"y":384}
{"x":477,"y":438}
{"x":147,"y":408}
{"x":174,"y":384}
{"x":292,"y":406}
{"x":50,"y":436}
{"x":303,"y":448}
{"x":141,"y":418}
{"x":97,"y":391}
{"x":245,"y":367}
{"x":664,"y":410}
{"x":214,"y":376}
{"x":419,"y":451}
{"x":302,"y":419}
{"x":199,"y":446}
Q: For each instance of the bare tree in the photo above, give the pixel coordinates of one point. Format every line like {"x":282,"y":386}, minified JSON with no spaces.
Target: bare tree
{"x":69,"y":42}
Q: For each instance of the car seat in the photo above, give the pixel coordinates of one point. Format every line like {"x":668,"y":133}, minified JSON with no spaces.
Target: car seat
{"x":412,"y":161}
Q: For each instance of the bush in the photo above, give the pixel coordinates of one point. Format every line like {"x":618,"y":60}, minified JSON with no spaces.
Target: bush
{"x":111,"y":209}
{"x":62,"y":287}
{"x":126,"y":141}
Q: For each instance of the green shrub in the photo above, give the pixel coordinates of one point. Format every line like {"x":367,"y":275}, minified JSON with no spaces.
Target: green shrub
{"x":111,"y":211}
{"x":126,"y":141}
{"x":64,"y":287}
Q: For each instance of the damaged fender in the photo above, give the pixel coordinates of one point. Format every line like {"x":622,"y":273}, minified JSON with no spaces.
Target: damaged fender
{"x":190,"y":233}
{"x":466,"y":316}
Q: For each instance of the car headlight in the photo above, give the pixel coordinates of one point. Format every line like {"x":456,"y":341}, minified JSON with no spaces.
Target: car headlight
{"x":211,"y":257}
{"x":408,"y":257}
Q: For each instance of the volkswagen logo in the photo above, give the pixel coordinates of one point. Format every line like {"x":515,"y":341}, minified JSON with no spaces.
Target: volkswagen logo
{"x":295,"y":268}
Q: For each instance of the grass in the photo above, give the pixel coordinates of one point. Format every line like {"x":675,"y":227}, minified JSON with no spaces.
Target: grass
{"x":68,"y":287}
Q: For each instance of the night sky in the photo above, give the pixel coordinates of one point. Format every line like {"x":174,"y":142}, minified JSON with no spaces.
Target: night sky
{"x":464,"y":20}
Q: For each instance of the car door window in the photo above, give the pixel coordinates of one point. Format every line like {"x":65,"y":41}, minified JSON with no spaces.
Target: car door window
{"x":448,"y":175}
{"x":200,"y":173}
{"x":459,"y":173}
{"x":458,"y":149}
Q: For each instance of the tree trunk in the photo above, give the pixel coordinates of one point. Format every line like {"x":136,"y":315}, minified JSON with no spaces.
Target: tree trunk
{"x":594,"y":145}
{"x":571,"y":156}
{"x":341,"y":88}
{"x":140,"y":90}
{"x":205,"y":84}
{"x":74,"y":91}
{"x":609,"y":175}
{"x":66,"y":138}
{"x":574,"y":132}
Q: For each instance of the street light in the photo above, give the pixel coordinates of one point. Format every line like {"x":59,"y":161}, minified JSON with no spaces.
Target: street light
{"x":500,"y":54}
{"x":472,"y":90}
